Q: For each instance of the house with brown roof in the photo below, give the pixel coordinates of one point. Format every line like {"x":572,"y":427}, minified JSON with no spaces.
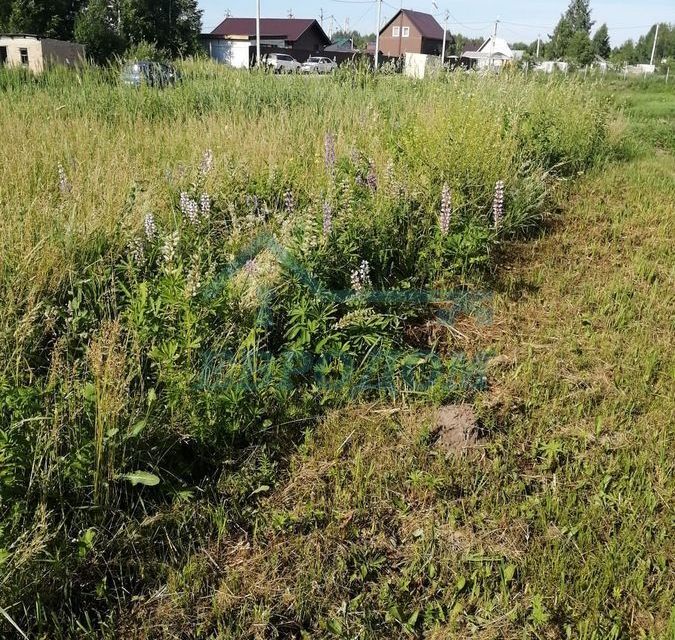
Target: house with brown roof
{"x":411,"y":32}
{"x":234,"y":39}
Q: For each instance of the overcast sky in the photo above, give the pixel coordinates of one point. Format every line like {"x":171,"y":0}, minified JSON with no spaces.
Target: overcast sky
{"x":520,"y":19}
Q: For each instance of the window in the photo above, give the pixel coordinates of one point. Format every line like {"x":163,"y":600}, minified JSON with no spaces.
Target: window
{"x":24,"y":56}
{"x":405,"y":31}
{"x":396,"y":32}
{"x":3,"y":55}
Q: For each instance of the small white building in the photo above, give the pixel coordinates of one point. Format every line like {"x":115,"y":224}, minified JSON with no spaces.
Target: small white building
{"x":493,"y":53}
{"x":36,"y":54}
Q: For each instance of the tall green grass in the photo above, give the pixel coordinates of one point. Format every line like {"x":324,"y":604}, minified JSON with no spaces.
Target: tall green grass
{"x":132,"y":386}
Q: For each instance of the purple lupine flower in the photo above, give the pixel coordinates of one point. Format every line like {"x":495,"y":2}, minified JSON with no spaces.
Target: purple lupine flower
{"x":207,"y":162}
{"x":289,"y":201}
{"x":371,"y":178}
{"x":205,"y":205}
{"x":150,"y":227}
{"x":446,"y":209}
{"x":64,"y":183}
{"x":189,"y":208}
{"x":251,"y":267}
{"x":498,"y":204}
{"x":327,"y":219}
{"x":360,"y":278}
{"x":329,"y":152}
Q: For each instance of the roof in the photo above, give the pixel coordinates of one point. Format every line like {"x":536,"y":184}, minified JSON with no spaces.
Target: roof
{"x":287,"y":28}
{"x":500,"y":46}
{"x":425,"y":23}
{"x":19,"y":35}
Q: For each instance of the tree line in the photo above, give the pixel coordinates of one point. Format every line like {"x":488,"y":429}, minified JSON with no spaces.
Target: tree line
{"x":108,"y":27}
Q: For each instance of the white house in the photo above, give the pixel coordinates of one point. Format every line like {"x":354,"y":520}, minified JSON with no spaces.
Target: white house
{"x":494,"y":52}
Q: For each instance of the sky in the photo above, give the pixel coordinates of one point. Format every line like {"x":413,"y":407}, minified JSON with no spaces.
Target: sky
{"x":520,"y":20}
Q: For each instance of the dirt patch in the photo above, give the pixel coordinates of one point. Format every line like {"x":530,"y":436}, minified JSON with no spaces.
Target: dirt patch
{"x":456,"y":428}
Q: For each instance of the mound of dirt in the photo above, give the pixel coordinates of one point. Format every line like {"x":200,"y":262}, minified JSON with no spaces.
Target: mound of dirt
{"x":456,"y":427}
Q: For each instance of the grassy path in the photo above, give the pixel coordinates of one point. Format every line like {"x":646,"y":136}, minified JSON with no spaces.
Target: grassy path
{"x":558,"y":525}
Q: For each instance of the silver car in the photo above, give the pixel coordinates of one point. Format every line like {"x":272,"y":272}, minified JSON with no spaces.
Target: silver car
{"x":282,"y":63}
{"x":317,"y":64}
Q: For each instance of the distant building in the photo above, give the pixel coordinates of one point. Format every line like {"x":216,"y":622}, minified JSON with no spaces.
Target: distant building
{"x":411,"y":32}
{"x":494,"y":52}
{"x":36,"y":54}
{"x":233,"y":41}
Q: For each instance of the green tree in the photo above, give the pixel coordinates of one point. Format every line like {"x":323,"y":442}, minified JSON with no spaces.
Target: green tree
{"x":625,"y":53}
{"x":601,"y":42}
{"x":578,"y":14}
{"x":98,"y":27}
{"x":580,"y":49}
{"x":172,"y":25}
{"x":47,"y":18}
{"x":560,"y":40}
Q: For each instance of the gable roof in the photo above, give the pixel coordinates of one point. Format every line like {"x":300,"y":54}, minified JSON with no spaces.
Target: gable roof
{"x":288,"y":28}
{"x":500,"y":46}
{"x":425,"y":23}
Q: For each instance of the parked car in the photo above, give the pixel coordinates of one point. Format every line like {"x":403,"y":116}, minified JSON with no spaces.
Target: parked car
{"x":150,"y":73}
{"x":282,"y":63}
{"x":316,"y":64}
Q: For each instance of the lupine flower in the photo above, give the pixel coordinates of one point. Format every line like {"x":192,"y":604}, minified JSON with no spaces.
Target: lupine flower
{"x":360,"y":278}
{"x":205,"y":205}
{"x":329,"y":152}
{"x":206,"y":163}
{"x":169,"y":247}
{"x":327,"y":219}
{"x":289,"y":201}
{"x":193,"y":281}
{"x":446,"y":209}
{"x":137,"y":251}
{"x":64,"y":183}
{"x":498,"y":204}
{"x":251,"y":267}
{"x":371,"y":178}
{"x":150,"y":227}
{"x":189,"y":208}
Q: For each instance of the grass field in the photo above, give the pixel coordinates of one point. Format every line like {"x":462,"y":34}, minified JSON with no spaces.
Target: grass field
{"x":218,"y":422}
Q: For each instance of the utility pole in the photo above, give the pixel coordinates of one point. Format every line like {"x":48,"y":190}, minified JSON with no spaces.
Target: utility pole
{"x":377,"y":34}
{"x":538,"y":41}
{"x":445,"y":33}
{"x":257,"y":34}
{"x":290,"y":14}
{"x":656,"y":35}
{"x":330,"y":33}
{"x":321,"y":18}
{"x":492,"y":43}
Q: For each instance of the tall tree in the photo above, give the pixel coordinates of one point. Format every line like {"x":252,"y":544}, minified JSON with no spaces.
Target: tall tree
{"x":560,"y":40}
{"x":47,"y":18}
{"x":601,"y":42}
{"x":98,"y":27}
{"x":172,"y":25}
{"x":578,"y":14}
{"x":580,"y":49}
